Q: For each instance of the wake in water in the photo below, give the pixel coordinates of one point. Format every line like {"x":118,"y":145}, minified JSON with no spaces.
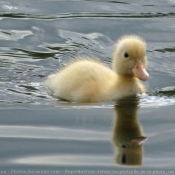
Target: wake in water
{"x":23,"y":71}
{"x":163,"y":97}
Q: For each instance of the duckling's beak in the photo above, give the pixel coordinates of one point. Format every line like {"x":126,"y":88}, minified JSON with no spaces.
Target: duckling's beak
{"x":139,"y":71}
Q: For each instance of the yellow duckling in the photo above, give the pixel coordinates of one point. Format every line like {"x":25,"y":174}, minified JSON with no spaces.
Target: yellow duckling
{"x":88,"y":80}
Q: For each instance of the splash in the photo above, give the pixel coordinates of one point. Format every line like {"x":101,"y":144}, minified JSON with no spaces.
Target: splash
{"x":155,"y":100}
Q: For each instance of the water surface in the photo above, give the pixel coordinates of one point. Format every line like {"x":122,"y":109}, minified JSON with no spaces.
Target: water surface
{"x":42,"y":134}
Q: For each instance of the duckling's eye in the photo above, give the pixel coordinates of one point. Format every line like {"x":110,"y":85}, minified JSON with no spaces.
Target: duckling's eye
{"x":126,"y":55}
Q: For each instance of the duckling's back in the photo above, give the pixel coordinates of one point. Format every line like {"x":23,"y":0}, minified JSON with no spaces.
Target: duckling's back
{"x":84,"y":80}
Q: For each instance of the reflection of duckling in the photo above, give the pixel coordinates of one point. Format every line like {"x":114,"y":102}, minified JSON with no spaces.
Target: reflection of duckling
{"x":128,"y":135}
{"x":87,"y":80}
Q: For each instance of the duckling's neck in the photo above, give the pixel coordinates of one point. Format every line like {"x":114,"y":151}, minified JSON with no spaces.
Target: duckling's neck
{"x":127,"y":85}
{"x":127,"y":78}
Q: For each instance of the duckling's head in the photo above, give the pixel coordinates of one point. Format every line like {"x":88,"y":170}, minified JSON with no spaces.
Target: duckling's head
{"x":129,"y":58}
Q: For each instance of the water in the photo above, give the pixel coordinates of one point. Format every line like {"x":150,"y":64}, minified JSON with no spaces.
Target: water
{"x":40,"y":134}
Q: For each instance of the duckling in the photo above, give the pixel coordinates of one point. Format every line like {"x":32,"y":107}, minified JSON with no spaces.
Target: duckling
{"x":88,"y":80}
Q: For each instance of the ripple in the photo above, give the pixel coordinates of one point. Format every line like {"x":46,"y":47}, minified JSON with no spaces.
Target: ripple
{"x":155,"y":101}
{"x":88,"y":15}
{"x":166,"y":50}
{"x":166,"y":91}
{"x":15,"y":7}
{"x":36,"y":54}
{"x":64,"y":160}
{"x":14,"y":34}
{"x":52,"y":133}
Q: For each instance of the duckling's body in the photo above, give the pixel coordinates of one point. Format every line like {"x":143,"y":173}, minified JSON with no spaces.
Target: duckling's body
{"x":87,"y":80}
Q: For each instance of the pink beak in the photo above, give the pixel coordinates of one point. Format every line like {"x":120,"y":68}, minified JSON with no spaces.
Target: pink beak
{"x":140,"y":72}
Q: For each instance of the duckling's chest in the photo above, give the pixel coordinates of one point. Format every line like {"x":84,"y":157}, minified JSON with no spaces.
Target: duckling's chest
{"x":123,"y":88}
